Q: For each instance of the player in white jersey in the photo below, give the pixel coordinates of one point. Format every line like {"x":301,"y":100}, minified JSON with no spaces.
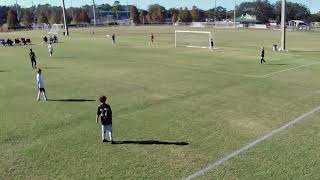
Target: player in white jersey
{"x":40,"y":86}
{"x":50,"y":49}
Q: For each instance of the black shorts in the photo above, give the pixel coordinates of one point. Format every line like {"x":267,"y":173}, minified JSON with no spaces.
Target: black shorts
{"x":42,"y":90}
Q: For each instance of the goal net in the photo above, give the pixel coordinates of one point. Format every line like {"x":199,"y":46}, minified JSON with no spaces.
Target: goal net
{"x":56,"y":28}
{"x":193,"y":39}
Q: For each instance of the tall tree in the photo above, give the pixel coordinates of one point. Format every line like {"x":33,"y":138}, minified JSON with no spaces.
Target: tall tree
{"x":264,"y":11}
{"x":12,"y":18}
{"x":84,"y":17}
{"x":27,"y":17}
{"x":76,"y":16}
{"x":116,"y":7}
{"x":42,"y":18}
{"x":134,"y":15}
{"x":157,"y":13}
{"x":174,"y":15}
{"x":54,"y":18}
{"x":195,"y":14}
{"x":185,"y":15}
{"x":142,"y":16}
{"x":3,"y":14}
{"x":295,"y":11}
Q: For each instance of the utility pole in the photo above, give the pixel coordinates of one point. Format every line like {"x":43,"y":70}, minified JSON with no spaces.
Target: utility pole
{"x":235,"y":14}
{"x":17,"y":9}
{"x":66,"y":30}
{"x":215,"y":13}
{"x":94,"y":13}
{"x":283,"y":26}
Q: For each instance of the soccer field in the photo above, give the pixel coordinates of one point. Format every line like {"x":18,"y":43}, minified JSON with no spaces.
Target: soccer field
{"x":176,"y":111}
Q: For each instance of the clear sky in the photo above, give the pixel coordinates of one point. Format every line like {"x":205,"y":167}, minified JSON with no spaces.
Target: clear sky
{"x":204,"y":4}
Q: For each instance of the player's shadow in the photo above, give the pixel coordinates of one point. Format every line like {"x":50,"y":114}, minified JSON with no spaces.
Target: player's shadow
{"x":1,"y":71}
{"x":152,"y":142}
{"x":72,"y":100}
{"x":277,"y":64}
{"x":52,"y":68}
{"x":306,"y":51}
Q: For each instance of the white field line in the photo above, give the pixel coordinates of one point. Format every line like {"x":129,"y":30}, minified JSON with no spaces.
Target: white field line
{"x":266,"y":75}
{"x":294,"y":68}
{"x":251,"y":145}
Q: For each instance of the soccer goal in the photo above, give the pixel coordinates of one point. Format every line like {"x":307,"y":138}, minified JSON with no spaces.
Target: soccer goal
{"x":193,"y":39}
{"x":56,"y":28}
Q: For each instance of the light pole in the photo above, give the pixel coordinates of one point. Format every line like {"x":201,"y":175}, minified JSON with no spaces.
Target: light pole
{"x":235,"y":14}
{"x":283,"y":26}
{"x":94,"y":13}
{"x":17,"y":9}
{"x":215,"y":13}
{"x":66,"y":30}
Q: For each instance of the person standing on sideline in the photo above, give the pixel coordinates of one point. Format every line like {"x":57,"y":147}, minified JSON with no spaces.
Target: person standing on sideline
{"x":104,"y":113}
{"x":50,"y":49}
{"x":262,"y":56}
{"x":33,"y":59}
{"x":113,"y":39}
{"x":151,"y":39}
{"x":40,"y":86}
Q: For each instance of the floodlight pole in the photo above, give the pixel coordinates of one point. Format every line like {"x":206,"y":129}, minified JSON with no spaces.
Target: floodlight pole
{"x":94,"y":13}
{"x":215,"y":13}
{"x":66,"y":30}
{"x":17,"y":9}
{"x":283,"y":26}
{"x":234,"y":14}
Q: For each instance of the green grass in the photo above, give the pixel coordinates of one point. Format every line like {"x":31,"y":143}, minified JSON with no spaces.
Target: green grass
{"x":215,"y":101}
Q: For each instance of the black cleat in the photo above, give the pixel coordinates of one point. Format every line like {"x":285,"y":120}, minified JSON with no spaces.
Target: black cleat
{"x":103,"y":141}
{"x":112,"y":142}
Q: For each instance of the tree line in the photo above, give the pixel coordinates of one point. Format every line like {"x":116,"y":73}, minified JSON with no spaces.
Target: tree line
{"x":264,"y":10}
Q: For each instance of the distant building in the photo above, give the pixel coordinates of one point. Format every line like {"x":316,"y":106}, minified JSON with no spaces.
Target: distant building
{"x":298,"y":24}
{"x":111,"y":17}
{"x":249,"y":21}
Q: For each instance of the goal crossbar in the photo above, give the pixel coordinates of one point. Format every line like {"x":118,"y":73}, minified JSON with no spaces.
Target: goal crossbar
{"x":195,"y":32}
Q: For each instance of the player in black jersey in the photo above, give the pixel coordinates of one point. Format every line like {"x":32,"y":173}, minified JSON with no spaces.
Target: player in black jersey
{"x":262,"y":56}
{"x":33,"y":59}
{"x":104,"y":113}
{"x":113,"y":39}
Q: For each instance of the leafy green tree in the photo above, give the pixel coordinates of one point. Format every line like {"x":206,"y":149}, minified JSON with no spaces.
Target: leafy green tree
{"x":134,"y":15}
{"x":294,"y":11}
{"x":54,"y":18}
{"x":42,"y":18}
{"x":116,"y":7}
{"x":27,"y":17}
{"x":185,"y":15}
{"x":173,"y":13}
{"x":3,"y":14}
{"x":143,"y":16}
{"x":84,"y":17}
{"x":12,"y":19}
{"x":195,"y":14}
{"x":157,"y":12}
{"x":264,"y":11}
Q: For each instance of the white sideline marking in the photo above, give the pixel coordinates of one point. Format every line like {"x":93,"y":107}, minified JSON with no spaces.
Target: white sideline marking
{"x":217,"y":163}
{"x":298,"y":67}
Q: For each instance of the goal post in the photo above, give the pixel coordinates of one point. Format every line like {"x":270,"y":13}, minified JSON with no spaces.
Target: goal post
{"x":193,"y":39}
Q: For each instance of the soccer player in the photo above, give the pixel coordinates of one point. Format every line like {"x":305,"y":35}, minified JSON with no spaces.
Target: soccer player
{"x":104,"y":113}
{"x":212,"y":44}
{"x":50,"y":49}
{"x":151,"y":38}
{"x":40,"y":86}
{"x":33,"y":59}
{"x":262,"y":56}
{"x":113,"y":39}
